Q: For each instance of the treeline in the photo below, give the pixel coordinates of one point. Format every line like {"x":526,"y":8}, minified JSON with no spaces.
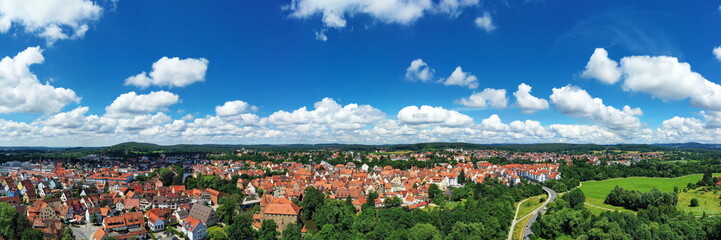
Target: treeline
{"x":635,"y":200}
{"x":584,"y":172}
{"x":580,"y":171}
{"x":129,"y":147}
{"x":485,"y":213}
{"x":561,"y":221}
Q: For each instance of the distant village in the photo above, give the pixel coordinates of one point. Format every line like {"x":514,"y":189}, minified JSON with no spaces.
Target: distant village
{"x":101,"y":197}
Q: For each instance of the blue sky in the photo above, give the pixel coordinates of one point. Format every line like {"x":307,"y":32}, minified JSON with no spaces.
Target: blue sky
{"x":272,"y":56}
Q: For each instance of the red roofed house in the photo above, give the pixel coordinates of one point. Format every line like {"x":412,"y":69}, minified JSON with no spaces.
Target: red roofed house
{"x":282,"y":211}
{"x":126,"y":226}
{"x":214,"y":195}
{"x":194,"y":228}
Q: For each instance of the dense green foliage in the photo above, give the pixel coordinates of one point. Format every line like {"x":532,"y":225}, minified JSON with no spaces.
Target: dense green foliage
{"x":311,"y":200}
{"x":267,"y":230}
{"x":662,"y":222}
{"x":634,"y":200}
{"x":14,"y":225}
{"x":229,"y":208}
{"x":241,"y":228}
{"x":488,"y":210}
{"x":292,"y":232}
{"x":575,"y":198}
{"x":214,"y":182}
{"x":68,"y":234}
{"x":584,"y":172}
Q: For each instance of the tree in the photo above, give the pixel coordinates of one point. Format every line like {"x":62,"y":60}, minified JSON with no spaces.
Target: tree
{"x":424,"y":231}
{"x":434,"y":191}
{"x":241,"y":228}
{"x":575,"y":198}
{"x":312,"y":200}
{"x":462,"y":177}
{"x":31,"y":234}
{"x":371,"y":199}
{"x":328,"y":232}
{"x":268,"y":230}
{"x":8,"y":216}
{"x":366,"y":220}
{"x":394,"y":201}
{"x":694,"y":202}
{"x":334,"y":212}
{"x":466,"y":231}
{"x":217,"y":235}
{"x":166,"y":176}
{"x":706,"y":180}
{"x":292,"y":232}
{"x":68,"y":234}
{"x":229,"y":207}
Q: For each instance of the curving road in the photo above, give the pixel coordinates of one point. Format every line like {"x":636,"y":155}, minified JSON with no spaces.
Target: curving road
{"x":527,"y":231}
{"x":551,"y":197}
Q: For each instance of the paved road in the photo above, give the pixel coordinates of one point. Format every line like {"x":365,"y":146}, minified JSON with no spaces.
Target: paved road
{"x":516,"y":219}
{"x":551,"y":197}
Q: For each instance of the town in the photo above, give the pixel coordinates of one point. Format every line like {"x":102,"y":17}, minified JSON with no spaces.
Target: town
{"x":182,"y":196}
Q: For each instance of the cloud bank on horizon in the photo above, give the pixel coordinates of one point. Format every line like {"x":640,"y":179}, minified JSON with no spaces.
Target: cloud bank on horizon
{"x":152,"y":110}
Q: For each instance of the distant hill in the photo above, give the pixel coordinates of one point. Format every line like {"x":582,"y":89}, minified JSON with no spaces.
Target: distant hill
{"x":130,"y":147}
{"x":145,"y":148}
{"x":690,"y":145}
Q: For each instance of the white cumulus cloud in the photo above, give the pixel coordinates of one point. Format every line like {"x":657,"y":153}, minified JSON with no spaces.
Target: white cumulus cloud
{"x":717,"y":53}
{"x":22,"y":92}
{"x":488,"y":98}
{"x":576,"y":102}
{"x":327,"y":114}
{"x":171,"y":72}
{"x":51,"y":19}
{"x":485,"y":22}
{"x":232,"y":108}
{"x":132,"y":104}
{"x":419,"y":71}
{"x":461,"y":78}
{"x":602,"y":68}
{"x":334,"y":12}
{"x":527,"y":102}
{"x":414,"y":115}
{"x":661,"y":77}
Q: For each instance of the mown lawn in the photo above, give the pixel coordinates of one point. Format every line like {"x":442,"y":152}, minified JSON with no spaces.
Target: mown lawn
{"x":596,"y":191}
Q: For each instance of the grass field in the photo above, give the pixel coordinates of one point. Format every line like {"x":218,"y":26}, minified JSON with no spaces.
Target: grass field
{"x":596,"y":191}
{"x":708,"y":202}
{"x":524,"y":209}
{"x":529,"y":205}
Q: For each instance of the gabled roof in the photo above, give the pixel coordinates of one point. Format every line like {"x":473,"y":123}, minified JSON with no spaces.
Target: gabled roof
{"x":192,"y":223}
{"x":282,"y":208}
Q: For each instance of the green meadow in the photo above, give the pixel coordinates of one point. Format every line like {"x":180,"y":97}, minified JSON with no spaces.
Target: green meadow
{"x":596,"y":192}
